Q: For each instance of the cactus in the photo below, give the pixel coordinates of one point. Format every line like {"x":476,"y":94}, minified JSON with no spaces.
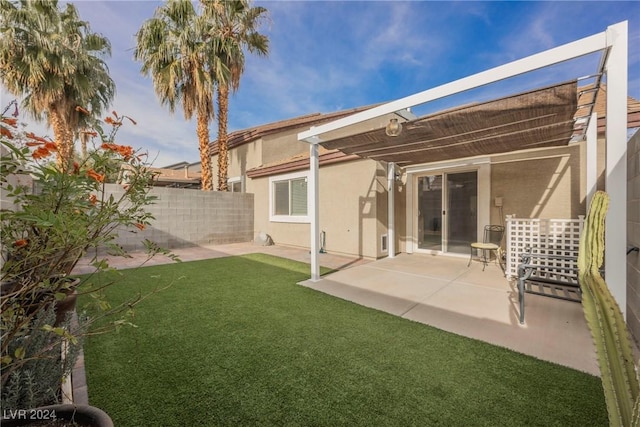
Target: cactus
{"x":606,"y":322}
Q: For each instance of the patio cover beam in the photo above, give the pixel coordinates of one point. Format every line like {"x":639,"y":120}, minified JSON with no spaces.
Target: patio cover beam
{"x":544,"y":59}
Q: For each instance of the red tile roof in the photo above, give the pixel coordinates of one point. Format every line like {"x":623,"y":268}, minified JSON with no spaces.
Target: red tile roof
{"x":633,"y":107}
{"x":244,"y":136}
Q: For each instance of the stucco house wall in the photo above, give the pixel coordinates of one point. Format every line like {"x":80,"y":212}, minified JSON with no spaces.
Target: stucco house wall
{"x":530,"y":187}
{"x":348,"y":210}
{"x":545,"y":183}
{"x":351,"y":194}
{"x":283,"y":146}
{"x":633,"y":235}
{"x":241,"y":159}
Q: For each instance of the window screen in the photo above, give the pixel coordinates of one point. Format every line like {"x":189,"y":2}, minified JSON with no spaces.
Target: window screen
{"x":290,"y":197}
{"x":236,"y":187}
{"x":281,"y":198}
{"x":299,"y":196}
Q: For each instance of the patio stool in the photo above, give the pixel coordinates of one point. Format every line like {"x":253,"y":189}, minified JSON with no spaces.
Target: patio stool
{"x":491,"y":242}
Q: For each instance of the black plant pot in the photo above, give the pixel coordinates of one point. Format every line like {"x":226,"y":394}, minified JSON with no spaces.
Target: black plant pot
{"x":66,"y":306}
{"x":31,"y":303}
{"x":57,"y":415}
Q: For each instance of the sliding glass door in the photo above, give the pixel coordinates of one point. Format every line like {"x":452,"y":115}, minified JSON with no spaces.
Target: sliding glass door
{"x":462,"y":212}
{"x":447,"y":214}
{"x":430,"y":212}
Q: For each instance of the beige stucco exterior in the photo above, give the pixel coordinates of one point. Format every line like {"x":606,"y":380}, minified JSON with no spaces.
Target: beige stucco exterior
{"x":241,"y":159}
{"x":540,"y":184}
{"x":353,"y":195}
{"x":633,"y":236}
{"x":548,"y":183}
{"x":348,"y":210}
{"x":545,"y":183}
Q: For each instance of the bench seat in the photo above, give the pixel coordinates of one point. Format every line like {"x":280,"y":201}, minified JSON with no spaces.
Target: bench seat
{"x":548,"y":274}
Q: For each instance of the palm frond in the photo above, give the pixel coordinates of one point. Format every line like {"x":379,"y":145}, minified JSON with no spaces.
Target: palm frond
{"x":53,"y":59}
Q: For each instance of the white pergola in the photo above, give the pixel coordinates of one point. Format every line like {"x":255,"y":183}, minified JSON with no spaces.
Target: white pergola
{"x":613,"y":44}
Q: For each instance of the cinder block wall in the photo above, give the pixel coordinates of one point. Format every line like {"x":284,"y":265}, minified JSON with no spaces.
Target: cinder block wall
{"x":187,"y":217}
{"x":633,"y":235}
{"x":22,"y":180}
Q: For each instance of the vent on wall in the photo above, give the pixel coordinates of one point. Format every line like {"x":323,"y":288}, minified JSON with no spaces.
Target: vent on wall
{"x":383,"y":243}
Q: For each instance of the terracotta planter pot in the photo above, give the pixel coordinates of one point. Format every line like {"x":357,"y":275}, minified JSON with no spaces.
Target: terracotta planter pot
{"x":81,"y":415}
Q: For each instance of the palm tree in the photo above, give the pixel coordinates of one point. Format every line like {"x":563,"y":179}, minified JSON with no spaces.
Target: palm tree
{"x":52,"y":58}
{"x":234,"y":30}
{"x":175,"y":49}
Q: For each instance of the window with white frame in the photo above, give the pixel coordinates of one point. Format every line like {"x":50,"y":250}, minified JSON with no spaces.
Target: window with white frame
{"x":288,"y":198}
{"x":236,"y":184}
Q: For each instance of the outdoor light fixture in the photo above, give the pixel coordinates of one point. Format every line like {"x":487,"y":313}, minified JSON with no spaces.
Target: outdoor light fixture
{"x":393,"y":128}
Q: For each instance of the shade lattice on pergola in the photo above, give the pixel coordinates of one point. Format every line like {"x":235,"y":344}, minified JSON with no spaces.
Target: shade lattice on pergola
{"x":534,"y":119}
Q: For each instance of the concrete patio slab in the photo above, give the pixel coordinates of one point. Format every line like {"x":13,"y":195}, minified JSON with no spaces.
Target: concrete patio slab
{"x":445,"y":268}
{"x":443,"y":292}
{"x":362,"y":296}
{"x":194,"y":253}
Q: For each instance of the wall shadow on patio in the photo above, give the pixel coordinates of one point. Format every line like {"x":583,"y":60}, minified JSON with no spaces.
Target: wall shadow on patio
{"x":555,"y":330}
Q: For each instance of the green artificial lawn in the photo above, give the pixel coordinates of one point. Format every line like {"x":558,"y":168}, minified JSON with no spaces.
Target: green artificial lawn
{"x":237,"y":342}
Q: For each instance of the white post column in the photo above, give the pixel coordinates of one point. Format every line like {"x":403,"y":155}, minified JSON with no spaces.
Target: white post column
{"x":616,"y":173}
{"x":314,"y":211}
{"x":391,"y":205}
{"x":592,"y":157}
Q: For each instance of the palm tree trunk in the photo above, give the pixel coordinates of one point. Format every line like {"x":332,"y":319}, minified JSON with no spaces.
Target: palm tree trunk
{"x":60,"y":134}
{"x":223,"y":148}
{"x":205,"y":159}
{"x":68,"y":147}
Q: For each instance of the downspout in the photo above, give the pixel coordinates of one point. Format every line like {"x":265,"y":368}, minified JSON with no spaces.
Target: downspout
{"x":391,"y":233}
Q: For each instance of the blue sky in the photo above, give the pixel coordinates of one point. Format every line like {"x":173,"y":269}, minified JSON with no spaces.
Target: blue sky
{"x":327,"y":56}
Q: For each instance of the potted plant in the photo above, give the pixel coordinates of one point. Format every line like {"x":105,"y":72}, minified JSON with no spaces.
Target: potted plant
{"x":46,"y":230}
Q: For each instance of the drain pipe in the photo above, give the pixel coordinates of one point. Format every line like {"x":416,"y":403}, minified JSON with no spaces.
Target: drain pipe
{"x":391,"y":204}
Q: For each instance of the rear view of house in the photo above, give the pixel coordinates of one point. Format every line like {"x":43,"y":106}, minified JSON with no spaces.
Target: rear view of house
{"x":379,"y":180}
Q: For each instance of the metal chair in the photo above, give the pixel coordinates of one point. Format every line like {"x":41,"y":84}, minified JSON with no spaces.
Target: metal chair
{"x":491,"y":242}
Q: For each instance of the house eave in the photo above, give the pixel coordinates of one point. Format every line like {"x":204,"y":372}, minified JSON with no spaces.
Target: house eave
{"x":325,"y":159}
